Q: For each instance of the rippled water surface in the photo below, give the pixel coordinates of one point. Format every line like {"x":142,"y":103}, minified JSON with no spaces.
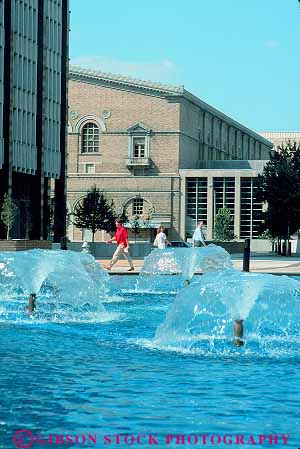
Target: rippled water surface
{"x":104,"y":376}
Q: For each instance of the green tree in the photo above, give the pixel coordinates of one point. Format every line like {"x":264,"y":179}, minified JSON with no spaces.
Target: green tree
{"x":223,"y":225}
{"x":95,"y":212}
{"x":8,"y":213}
{"x":279,"y":187}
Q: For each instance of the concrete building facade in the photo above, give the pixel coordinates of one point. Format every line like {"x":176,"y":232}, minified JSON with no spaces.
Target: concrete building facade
{"x":137,"y":141}
{"x":33,"y":81}
{"x":218,"y":184}
{"x":279,"y":138}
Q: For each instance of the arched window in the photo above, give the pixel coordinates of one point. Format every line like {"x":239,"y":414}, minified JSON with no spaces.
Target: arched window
{"x":90,"y":138}
{"x":137,"y":206}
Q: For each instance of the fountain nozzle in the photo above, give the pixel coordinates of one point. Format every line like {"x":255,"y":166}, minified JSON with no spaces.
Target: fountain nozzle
{"x":238,"y":331}
{"x":31,"y":303}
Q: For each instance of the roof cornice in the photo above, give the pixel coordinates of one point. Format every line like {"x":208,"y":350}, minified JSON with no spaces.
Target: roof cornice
{"x":79,"y":73}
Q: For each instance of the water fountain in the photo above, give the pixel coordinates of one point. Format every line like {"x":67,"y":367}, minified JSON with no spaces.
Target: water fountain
{"x":63,"y":279}
{"x":167,"y":271}
{"x":212,"y":312}
{"x":208,"y":315}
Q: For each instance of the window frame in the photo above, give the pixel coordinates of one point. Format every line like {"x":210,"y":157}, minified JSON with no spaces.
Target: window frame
{"x":95,"y":148}
{"x":86,"y":164}
{"x":139,"y":132}
{"x":136,"y":207}
{"x":142,"y":143}
{"x":131,"y":149}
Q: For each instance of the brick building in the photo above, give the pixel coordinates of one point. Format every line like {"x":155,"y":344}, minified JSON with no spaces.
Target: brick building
{"x":145,"y":144}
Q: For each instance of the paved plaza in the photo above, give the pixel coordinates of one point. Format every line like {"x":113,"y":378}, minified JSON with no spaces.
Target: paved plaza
{"x":260,"y":263}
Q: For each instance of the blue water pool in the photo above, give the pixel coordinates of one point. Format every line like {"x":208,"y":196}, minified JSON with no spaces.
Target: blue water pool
{"x":107,"y":377}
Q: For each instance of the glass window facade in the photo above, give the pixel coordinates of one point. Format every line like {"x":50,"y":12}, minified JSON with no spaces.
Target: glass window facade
{"x":251,"y":209}
{"x":224,"y":196}
{"x":196,"y":203}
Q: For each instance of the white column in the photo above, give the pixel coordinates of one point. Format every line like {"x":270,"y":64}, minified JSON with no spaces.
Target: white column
{"x":182,"y":206}
{"x":210,"y":207}
{"x":237,"y":206}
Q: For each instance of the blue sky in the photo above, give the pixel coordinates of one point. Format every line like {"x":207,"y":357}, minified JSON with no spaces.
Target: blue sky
{"x":241,"y":56}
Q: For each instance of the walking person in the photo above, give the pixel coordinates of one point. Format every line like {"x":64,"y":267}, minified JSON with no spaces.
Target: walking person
{"x":121,"y":237}
{"x":161,"y":239}
{"x":199,"y":237}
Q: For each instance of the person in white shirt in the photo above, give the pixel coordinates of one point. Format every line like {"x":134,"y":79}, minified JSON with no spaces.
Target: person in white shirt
{"x":198,"y":237}
{"x":161,"y":239}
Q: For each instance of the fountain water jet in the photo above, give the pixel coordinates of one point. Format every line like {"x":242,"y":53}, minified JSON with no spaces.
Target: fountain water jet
{"x":54,"y":277}
{"x":203,"y":315}
{"x":183,"y":262}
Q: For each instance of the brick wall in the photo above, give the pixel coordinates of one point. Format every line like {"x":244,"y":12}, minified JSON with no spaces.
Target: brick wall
{"x":127,"y":109}
{"x":111,"y":172}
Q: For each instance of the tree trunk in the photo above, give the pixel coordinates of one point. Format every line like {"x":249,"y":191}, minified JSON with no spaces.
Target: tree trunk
{"x":7,"y":233}
{"x":288,"y":249}
{"x":93,"y":238}
{"x":279,"y":246}
{"x":284,"y":247}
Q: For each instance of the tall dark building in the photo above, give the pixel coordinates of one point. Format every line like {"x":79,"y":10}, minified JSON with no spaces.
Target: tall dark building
{"x":33,"y":106}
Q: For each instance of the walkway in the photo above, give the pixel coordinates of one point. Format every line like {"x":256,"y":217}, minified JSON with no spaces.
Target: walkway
{"x":260,"y":263}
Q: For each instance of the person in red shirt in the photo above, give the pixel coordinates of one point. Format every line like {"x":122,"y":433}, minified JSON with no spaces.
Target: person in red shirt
{"x":121,"y":237}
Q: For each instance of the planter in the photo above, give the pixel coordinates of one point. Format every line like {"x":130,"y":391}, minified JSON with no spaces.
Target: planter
{"x":230,"y":247}
{"x":100,"y":250}
{"x":24,"y":245}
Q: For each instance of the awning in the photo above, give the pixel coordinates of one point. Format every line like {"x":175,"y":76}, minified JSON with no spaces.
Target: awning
{"x":151,"y":224}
